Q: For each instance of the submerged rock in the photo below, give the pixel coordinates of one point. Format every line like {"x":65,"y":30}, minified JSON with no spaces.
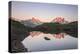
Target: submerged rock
{"x":46,"y":38}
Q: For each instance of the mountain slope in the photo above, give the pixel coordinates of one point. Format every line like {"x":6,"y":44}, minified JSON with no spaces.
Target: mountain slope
{"x":18,"y":33}
{"x":53,"y":28}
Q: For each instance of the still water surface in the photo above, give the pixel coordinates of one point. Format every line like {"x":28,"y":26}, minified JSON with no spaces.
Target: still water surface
{"x":38,"y":43}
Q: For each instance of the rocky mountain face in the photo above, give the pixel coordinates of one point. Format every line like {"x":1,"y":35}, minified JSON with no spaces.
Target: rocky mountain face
{"x":32,"y":22}
{"x":60,"y":20}
{"x":36,"y":22}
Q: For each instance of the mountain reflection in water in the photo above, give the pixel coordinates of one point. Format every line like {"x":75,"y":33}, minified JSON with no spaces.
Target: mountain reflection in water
{"x":38,"y":43}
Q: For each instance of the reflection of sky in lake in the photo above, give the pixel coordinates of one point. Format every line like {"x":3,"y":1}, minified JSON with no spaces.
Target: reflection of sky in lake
{"x":38,"y":43}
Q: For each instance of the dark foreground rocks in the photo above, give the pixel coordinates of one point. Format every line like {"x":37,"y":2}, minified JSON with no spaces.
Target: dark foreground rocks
{"x":17,"y":33}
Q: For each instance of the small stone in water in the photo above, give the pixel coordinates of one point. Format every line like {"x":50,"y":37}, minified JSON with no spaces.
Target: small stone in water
{"x":46,"y":38}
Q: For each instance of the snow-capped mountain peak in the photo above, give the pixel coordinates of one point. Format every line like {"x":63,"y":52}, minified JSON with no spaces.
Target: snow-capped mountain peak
{"x":60,"y":20}
{"x":32,"y":22}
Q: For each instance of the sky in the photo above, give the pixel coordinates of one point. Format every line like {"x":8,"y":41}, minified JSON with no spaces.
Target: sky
{"x":43,"y":11}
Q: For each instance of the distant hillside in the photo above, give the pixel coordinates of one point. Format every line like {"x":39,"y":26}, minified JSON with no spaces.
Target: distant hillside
{"x":71,"y":29}
{"x":54,"y":28}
